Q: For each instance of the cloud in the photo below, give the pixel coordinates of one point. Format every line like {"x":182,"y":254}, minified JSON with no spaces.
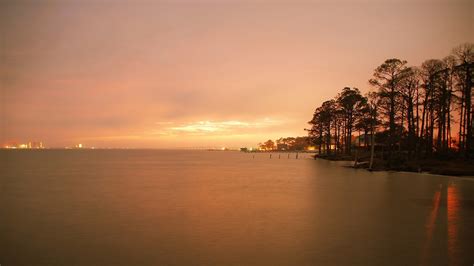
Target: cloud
{"x":208,"y":127}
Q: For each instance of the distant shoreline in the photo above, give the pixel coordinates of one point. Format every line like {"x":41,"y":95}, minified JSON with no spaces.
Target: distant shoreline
{"x":276,"y":151}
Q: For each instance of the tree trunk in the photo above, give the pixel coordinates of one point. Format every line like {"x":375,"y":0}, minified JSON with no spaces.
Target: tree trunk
{"x":372,"y":148}
{"x":468,"y":111}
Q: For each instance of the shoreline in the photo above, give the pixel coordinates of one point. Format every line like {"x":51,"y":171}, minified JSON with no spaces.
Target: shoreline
{"x":452,"y":168}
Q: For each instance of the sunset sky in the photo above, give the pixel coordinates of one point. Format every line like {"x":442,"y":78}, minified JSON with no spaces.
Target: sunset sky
{"x":200,"y":73}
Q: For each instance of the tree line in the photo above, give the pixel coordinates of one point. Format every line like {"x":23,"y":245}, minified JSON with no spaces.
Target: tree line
{"x":411,"y":112}
{"x":285,"y":144}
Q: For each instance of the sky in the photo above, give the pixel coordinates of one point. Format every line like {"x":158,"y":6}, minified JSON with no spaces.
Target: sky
{"x":176,"y":74}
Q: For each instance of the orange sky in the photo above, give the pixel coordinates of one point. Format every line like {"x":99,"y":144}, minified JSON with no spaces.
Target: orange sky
{"x":200,"y":73}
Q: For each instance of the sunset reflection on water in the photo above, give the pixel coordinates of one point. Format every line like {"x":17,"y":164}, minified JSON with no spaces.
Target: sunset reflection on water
{"x":453,"y":217}
{"x":430,"y":226}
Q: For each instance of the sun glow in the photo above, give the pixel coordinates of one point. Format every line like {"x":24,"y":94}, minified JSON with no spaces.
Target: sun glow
{"x":206,"y":127}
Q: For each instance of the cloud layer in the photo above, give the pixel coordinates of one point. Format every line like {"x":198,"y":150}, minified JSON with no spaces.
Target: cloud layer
{"x":104,"y":73}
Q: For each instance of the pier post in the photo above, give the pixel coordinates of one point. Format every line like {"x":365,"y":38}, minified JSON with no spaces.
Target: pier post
{"x":355,"y":159}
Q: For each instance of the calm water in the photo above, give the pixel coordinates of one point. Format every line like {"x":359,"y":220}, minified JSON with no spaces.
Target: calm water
{"x":138,"y":207}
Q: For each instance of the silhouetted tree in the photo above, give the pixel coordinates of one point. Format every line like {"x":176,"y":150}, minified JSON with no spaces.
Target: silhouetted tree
{"x":464,"y":57}
{"x":267,"y":145}
{"x":409,"y":102}
{"x":413,"y":105}
{"x":372,"y":104}
{"x":322,"y":123}
{"x":351,"y":104}
{"x":388,"y":79}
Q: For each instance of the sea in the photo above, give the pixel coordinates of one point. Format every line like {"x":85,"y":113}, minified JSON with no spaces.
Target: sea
{"x":195,"y":207}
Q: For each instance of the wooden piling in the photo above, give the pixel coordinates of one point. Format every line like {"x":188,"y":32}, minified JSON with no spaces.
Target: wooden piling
{"x":355,"y":159}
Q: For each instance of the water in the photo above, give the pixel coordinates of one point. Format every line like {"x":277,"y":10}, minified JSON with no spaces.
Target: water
{"x":146,"y":207}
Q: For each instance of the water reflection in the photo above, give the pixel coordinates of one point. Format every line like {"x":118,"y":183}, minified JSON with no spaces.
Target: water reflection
{"x":453,"y":217}
{"x":430,"y":226}
{"x":443,"y":231}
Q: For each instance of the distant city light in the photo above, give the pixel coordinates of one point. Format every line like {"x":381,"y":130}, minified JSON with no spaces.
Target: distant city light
{"x":28,"y":145}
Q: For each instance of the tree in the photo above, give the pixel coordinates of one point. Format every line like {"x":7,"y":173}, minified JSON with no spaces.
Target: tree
{"x":267,"y":145}
{"x":351,"y":103}
{"x":409,"y":97}
{"x":411,"y":109}
{"x":315,"y":133}
{"x":387,"y":78}
{"x":372,"y":104}
{"x":322,"y":123}
{"x":430,"y":70}
{"x":464,"y":56}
